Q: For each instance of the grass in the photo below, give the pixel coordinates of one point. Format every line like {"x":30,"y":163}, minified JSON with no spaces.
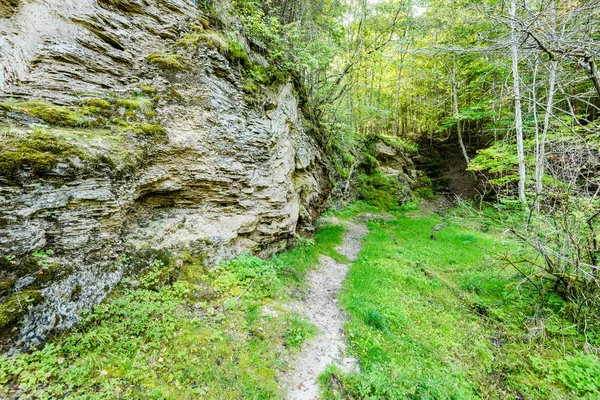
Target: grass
{"x":440,"y":319}
{"x":213,"y":334}
{"x":296,"y":262}
{"x":430,"y":318}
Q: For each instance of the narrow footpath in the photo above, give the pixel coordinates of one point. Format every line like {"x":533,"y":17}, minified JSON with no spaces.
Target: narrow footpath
{"x":320,"y":306}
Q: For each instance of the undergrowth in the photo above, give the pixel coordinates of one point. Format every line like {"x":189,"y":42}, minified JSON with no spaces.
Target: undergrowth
{"x":172,"y":333}
{"x":433,"y":315}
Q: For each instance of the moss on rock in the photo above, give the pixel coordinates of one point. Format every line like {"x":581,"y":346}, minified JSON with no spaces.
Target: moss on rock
{"x":16,"y":306}
{"x":150,"y":130}
{"x":99,"y":103}
{"x":379,"y":190}
{"x":8,"y":7}
{"x":136,"y":103}
{"x":148,"y":90}
{"x":49,"y":113}
{"x":6,"y":287}
{"x":167,"y":61}
{"x":38,"y":152}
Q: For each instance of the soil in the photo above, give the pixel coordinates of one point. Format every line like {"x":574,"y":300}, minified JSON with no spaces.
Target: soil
{"x":445,"y":164}
{"x":320,"y":306}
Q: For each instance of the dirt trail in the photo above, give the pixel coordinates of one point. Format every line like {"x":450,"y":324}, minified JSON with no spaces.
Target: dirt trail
{"x":321,"y":308}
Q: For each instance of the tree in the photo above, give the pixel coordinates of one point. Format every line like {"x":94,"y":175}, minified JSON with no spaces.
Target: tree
{"x":514,"y":47}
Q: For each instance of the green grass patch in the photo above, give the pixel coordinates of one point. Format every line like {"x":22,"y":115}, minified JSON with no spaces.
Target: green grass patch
{"x":179,"y":332}
{"x":439,"y":318}
{"x":295,"y":263}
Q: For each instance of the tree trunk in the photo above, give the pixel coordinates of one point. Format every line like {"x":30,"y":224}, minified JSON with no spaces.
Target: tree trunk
{"x":594,"y":74}
{"x":399,"y":85}
{"x":517,"y":93}
{"x":541,"y":153}
{"x":457,"y":111}
{"x":397,"y":109}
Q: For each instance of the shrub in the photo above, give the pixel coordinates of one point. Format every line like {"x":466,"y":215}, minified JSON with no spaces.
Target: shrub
{"x":236,"y":52}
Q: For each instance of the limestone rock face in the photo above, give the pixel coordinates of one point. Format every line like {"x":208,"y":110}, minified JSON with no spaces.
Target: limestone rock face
{"x":233,"y":173}
{"x":393,"y":162}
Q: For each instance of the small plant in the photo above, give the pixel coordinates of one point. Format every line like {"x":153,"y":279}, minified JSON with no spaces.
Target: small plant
{"x":375,"y":320}
{"x":580,"y":373}
{"x":247,"y":275}
{"x":42,"y":257}
{"x":304,"y":242}
{"x":236,"y":52}
{"x":298,"y":331}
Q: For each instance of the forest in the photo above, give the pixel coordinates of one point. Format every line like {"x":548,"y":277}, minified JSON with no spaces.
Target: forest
{"x":457,"y":256}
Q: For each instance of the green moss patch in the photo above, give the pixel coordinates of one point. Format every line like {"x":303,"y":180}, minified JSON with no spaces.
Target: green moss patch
{"x":99,"y":103}
{"x":211,"y":39}
{"x":38,"y":153}
{"x":90,"y":113}
{"x":404,"y":145}
{"x":13,"y":308}
{"x":150,"y":130}
{"x":380,"y":191}
{"x":133,"y":104}
{"x":47,"y":112}
{"x":167,"y":61}
{"x":95,"y":131}
{"x":148,"y":90}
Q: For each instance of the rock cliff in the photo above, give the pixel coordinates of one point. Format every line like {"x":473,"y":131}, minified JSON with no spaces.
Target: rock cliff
{"x":127,"y":125}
